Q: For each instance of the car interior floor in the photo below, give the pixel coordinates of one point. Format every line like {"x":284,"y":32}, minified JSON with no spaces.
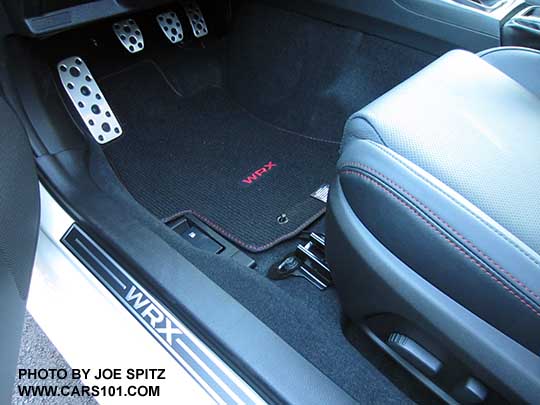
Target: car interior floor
{"x":200,"y":119}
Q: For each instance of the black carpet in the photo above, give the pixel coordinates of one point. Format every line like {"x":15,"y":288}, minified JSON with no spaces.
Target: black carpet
{"x":207,"y":155}
{"x":306,"y":318}
{"x":277,"y":89}
{"x":286,"y":70}
{"x":307,"y":75}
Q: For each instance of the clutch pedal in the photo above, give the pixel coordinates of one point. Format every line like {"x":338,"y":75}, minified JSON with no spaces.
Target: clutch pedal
{"x":88,"y":100}
{"x":171,"y":26}
{"x":196,"y":19}
{"x":129,"y":34}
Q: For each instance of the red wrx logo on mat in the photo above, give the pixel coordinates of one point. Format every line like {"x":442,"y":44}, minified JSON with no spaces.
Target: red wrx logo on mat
{"x":257,"y":174}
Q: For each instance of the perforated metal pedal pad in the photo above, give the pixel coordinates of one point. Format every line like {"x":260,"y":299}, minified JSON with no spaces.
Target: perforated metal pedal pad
{"x":129,"y":34}
{"x":196,"y":19}
{"x":88,"y":100}
{"x":171,"y":26}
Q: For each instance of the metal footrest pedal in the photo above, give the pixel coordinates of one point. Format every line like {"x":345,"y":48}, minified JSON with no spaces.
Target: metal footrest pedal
{"x":171,"y":26}
{"x":129,"y":34}
{"x":88,"y":100}
{"x":196,"y":19}
{"x":308,"y":261}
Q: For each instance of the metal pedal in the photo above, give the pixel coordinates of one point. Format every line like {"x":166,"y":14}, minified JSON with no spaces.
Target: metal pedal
{"x":171,"y":26}
{"x":196,"y":19}
{"x":88,"y":100}
{"x":129,"y":34}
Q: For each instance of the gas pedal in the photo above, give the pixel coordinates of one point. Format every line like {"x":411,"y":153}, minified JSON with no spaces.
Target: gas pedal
{"x":171,"y":26}
{"x":129,"y":34}
{"x":88,"y":100}
{"x":196,"y":19}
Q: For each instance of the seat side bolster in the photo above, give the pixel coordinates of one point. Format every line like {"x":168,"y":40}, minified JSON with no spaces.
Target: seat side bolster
{"x":444,"y":238}
{"x":359,"y":127}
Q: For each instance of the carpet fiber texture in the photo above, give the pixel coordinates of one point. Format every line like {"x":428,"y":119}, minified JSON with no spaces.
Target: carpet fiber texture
{"x":207,"y":155}
{"x":204,"y":124}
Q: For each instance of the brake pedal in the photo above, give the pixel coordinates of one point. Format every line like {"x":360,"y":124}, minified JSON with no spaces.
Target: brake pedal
{"x":171,"y":26}
{"x":196,"y":19}
{"x":129,"y":34}
{"x":88,"y":100}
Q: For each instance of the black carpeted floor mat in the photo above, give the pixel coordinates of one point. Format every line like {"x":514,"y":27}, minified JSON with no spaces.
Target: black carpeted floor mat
{"x":207,"y":155}
{"x":287,"y":70}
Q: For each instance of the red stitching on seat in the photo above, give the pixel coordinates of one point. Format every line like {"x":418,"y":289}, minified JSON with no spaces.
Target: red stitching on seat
{"x":464,"y":239}
{"x":452,"y":243}
{"x":498,"y":232}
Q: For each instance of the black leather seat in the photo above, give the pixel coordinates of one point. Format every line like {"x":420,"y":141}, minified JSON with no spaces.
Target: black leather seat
{"x":434,"y":218}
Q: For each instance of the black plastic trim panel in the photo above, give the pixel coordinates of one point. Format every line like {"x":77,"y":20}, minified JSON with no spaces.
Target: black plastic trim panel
{"x":214,"y":378}
{"x":86,"y":13}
